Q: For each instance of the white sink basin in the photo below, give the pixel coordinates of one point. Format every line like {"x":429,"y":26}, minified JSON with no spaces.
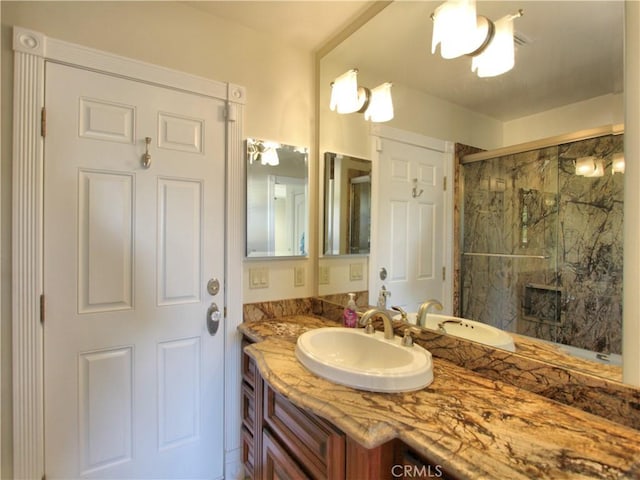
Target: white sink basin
{"x":468,"y":329}
{"x":365,"y":361}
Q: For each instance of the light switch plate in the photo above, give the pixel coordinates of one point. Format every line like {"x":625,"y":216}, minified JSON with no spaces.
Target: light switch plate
{"x":323,"y":275}
{"x":355,"y":272}
{"x":258,"y":277}
{"x":298,"y":277}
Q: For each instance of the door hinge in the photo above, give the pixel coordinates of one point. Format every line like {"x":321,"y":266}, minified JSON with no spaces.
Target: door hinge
{"x":44,"y":476}
{"x":444,"y":183}
{"x":224,"y":309}
{"x":231,"y":113}
{"x":444,"y":274}
{"x":42,"y":308}
{"x":43,"y":122}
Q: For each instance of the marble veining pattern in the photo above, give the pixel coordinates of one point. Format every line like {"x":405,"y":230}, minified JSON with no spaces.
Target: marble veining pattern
{"x":472,"y":426}
{"x":565,"y":285}
{"x":538,"y":372}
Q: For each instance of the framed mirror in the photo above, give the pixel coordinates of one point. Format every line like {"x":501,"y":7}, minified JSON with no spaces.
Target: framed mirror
{"x":347,"y":205}
{"x":277,"y":199}
{"x":564,"y":81}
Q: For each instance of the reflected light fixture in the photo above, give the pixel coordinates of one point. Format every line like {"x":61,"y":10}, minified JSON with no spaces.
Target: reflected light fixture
{"x":617,"y":163}
{"x":263,"y":151}
{"x":589,"y":167}
{"x":348,"y":97}
{"x":460,"y":31}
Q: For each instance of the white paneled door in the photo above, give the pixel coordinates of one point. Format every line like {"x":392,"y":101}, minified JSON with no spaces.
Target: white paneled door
{"x":410,"y":232}
{"x":133,"y":378}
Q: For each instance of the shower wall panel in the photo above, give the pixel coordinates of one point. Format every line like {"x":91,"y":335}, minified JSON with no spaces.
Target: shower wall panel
{"x":542,"y":247}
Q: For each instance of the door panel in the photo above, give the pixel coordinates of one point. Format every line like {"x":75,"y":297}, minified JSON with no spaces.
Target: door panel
{"x":105,"y":241}
{"x":409,"y":238}
{"x":179,"y":232}
{"x":133,"y":380}
{"x":106,"y":408}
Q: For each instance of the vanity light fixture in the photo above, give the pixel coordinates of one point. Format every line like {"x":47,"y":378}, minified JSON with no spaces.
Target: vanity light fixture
{"x":263,"y":152}
{"x":460,"y":31}
{"x":348,"y":97}
{"x":589,"y":167}
{"x":617,"y":163}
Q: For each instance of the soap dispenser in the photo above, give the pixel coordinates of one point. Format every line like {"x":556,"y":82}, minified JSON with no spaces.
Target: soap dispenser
{"x":350,"y":315}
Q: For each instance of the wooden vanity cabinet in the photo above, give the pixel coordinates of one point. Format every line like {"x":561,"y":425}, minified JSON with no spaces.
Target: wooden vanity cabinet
{"x":282,"y":441}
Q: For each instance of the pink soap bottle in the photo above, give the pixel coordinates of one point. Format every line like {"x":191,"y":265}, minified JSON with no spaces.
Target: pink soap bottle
{"x":350,"y":315}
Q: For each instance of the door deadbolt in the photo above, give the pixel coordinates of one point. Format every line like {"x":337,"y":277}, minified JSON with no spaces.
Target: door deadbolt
{"x":213,"y":286}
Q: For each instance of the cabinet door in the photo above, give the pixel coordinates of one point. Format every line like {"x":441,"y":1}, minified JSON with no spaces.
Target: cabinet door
{"x":312,"y":441}
{"x":276,"y":462}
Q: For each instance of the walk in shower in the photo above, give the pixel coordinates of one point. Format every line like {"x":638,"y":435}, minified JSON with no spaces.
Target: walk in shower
{"x":542,"y":243}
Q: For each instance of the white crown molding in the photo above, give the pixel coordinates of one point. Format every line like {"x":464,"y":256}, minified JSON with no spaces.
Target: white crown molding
{"x":31,"y":51}
{"x":405,"y":136}
{"x":59,"y":51}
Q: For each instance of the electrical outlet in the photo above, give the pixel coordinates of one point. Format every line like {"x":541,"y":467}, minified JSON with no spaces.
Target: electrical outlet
{"x":355,"y":272}
{"x":298,"y":277}
{"x":323,"y":275}
{"x":258,"y":277}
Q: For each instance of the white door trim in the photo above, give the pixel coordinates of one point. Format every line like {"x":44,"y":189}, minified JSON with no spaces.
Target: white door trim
{"x":31,"y":50}
{"x":378,"y":132}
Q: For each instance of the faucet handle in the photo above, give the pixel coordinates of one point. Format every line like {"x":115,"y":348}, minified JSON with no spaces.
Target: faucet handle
{"x":407,"y":339}
{"x":369,"y":328}
{"x":403,"y":313}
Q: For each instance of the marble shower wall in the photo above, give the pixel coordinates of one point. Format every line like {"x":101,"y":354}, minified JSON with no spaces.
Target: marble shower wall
{"x":542,"y":247}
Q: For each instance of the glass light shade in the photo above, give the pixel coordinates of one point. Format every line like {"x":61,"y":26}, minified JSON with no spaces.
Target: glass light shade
{"x":499,"y":56}
{"x":270,"y":157}
{"x":380,"y":107}
{"x":269,"y":153}
{"x":617,"y":163}
{"x":344,"y":93}
{"x":455,"y":28}
{"x":585,"y":166}
{"x":598,"y":171}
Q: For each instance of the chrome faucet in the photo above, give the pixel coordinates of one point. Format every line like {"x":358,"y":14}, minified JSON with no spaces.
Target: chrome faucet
{"x":443,"y":323}
{"x":386,"y":319}
{"x":424,"y":309}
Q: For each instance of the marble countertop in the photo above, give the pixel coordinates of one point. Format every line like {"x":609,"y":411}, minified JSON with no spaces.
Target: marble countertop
{"x":473,"y":427}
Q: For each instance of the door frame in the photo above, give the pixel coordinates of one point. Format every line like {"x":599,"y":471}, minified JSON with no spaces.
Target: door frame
{"x":377,"y":133}
{"x":31,"y":50}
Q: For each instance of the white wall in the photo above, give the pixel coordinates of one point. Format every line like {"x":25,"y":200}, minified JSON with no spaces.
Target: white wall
{"x":595,"y":112}
{"x":280,"y":103}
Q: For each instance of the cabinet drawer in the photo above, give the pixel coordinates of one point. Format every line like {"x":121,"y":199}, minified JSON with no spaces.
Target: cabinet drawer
{"x":313,"y":442}
{"x":276,"y":462}
{"x":248,"y":453}
{"x":248,"y":367}
{"x":248,"y":408}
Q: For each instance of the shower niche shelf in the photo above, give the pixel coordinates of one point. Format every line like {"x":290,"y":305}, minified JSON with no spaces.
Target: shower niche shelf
{"x":542,"y":303}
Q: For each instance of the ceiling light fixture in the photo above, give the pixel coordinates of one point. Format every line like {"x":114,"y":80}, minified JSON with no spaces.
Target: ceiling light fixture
{"x":348,"y":97}
{"x":460,"y":31}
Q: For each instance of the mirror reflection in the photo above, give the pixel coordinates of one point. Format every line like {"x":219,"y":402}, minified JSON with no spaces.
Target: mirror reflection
{"x":565,"y":81}
{"x":277,"y":199}
{"x":347,"y":204}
